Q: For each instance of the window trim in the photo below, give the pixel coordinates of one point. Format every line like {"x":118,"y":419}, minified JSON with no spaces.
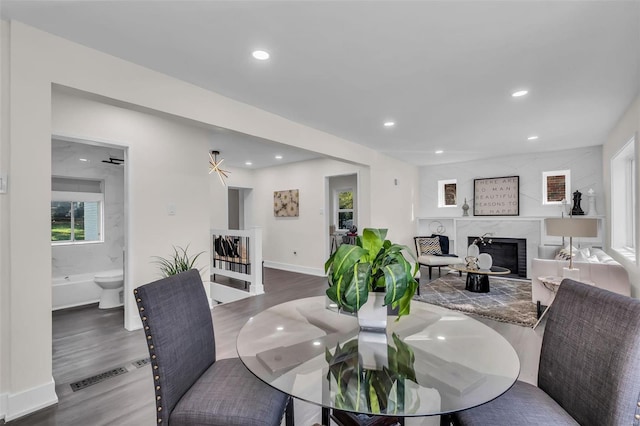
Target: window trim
{"x":624,"y":172}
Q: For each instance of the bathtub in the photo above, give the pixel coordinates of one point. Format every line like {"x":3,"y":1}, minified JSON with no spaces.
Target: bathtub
{"x":74,"y":290}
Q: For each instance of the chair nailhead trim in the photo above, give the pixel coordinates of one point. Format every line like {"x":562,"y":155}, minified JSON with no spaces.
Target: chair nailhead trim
{"x":150,"y":346}
{"x":638,"y":416}
{"x":155,"y":367}
{"x":144,"y":318}
{"x":159,"y":408}
{"x":157,"y":377}
{"x":149,"y":337}
{"x":135,"y":291}
{"x":157,"y":387}
{"x":638,"y":403}
{"x":154,"y":357}
{"x":158,"y":398}
{"x":146,"y":328}
{"x":141,"y":309}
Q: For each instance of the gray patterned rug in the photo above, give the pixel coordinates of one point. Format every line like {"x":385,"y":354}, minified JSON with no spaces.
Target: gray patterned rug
{"x":508,"y":301}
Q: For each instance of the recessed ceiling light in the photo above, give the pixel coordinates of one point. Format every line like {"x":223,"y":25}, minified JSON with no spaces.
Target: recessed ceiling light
{"x":519,"y":93}
{"x":532,"y":138}
{"x":439,"y":151}
{"x":83,"y":159}
{"x":261,"y":55}
{"x":389,"y":123}
{"x":278,"y":157}
{"x":248,"y":163}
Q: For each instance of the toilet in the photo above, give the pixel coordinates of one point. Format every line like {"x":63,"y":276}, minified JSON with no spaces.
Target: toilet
{"x":112,"y":284}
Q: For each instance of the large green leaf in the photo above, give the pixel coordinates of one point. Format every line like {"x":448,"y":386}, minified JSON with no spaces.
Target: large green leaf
{"x":395,"y":278}
{"x":372,"y":241}
{"x":357,"y":291}
{"x":344,"y":259}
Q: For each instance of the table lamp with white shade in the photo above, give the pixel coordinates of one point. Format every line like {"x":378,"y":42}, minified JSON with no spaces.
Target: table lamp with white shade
{"x":571,"y":227}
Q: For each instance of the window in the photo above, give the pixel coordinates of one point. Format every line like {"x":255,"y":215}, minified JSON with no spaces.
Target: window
{"x":556,"y":186}
{"x":344,"y":212}
{"x":623,"y":200}
{"x":76,"y":215}
{"x":447,"y":193}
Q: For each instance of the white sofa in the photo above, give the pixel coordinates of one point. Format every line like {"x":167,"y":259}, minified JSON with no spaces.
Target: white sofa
{"x":595,"y":267}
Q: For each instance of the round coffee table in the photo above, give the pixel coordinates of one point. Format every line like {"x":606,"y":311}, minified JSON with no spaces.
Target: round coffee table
{"x":478,"y":279}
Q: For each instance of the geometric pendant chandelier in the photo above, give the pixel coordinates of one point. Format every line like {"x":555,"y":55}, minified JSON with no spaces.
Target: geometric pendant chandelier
{"x":214,"y":166}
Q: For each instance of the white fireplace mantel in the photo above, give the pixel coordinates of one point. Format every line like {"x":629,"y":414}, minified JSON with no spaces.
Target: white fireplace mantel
{"x":458,"y":229}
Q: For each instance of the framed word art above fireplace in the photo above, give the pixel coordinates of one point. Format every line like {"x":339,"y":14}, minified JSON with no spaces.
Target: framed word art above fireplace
{"x":498,"y":196}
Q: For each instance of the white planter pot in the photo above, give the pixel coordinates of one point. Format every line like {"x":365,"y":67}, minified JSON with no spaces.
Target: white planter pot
{"x":372,"y":316}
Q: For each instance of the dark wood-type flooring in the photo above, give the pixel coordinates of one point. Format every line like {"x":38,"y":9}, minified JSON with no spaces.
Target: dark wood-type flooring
{"x":88,"y":341}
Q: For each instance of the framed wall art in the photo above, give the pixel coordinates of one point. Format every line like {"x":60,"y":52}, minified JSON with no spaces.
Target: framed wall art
{"x":286,"y":203}
{"x":498,"y":196}
{"x":556,"y":187}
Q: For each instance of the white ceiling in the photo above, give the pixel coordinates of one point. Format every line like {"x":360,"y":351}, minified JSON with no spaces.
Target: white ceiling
{"x":443,"y":70}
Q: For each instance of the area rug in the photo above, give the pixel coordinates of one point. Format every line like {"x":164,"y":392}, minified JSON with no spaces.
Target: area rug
{"x":509,"y":300}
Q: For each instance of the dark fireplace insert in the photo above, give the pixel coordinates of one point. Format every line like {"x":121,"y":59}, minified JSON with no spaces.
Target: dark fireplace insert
{"x":509,"y":253}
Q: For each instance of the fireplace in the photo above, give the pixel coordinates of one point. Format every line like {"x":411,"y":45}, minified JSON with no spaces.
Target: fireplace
{"x":509,"y":253}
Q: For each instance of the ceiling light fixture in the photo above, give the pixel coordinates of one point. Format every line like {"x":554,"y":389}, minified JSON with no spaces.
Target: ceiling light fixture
{"x":261,"y":55}
{"x":248,"y":163}
{"x":214,"y":166}
{"x":389,"y":123}
{"x":83,"y":159}
{"x":439,"y":151}
{"x":278,"y":157}
{"x":532,"y":138}
{"x":519,"y":93}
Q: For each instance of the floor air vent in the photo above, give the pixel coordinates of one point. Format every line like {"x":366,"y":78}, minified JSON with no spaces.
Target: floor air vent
{"x":76,"y":386}
{"x":141,"y":362}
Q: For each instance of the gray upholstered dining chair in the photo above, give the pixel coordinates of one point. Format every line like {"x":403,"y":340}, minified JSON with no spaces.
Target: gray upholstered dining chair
{"x":191,"y":386}
{"x":589,"y":371}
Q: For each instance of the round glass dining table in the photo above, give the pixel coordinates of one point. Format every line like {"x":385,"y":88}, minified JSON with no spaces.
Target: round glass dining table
{"x":433,"y":361}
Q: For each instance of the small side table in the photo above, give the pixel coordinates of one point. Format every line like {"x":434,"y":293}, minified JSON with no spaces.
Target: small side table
{"x":552,"y":283}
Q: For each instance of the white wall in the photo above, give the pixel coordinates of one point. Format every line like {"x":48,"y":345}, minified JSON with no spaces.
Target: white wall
{"x":37,"y":61}
{"x":69,"y":259}
{"x":307,"y":234}
{"x":625,"y":129}
{"x":167,"y":166}
{"x":586,"y":172}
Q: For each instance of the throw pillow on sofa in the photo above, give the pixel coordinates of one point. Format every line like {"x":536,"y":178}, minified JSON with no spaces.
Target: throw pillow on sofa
{"x":566,"y":253}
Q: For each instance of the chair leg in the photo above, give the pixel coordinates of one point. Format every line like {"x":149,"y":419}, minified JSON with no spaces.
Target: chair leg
{"x":288,"y":414}
{"x":430,"y":267}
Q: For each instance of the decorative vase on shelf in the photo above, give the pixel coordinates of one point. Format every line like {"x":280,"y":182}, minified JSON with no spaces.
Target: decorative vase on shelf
{"x":465,"y":208}
{"x":485,"y":261}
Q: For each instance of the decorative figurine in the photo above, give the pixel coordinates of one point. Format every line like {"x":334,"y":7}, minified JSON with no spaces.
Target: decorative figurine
{"x":577,"y":210}
{"x":465,"y":208}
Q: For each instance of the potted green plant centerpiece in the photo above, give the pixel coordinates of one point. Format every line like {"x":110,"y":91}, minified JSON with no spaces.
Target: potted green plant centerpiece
{"x":373,"y":268}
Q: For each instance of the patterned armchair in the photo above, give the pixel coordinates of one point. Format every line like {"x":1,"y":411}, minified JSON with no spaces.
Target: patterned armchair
{"x":433,"y":252}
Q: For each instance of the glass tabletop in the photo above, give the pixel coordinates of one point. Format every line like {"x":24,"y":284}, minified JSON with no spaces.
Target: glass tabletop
{"x":433,"y":361}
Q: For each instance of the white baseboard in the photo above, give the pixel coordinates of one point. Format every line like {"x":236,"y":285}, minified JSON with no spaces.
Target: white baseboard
{"x":3,"y":405}
{"x":26,"y":402}
{"x":318,"y":272}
